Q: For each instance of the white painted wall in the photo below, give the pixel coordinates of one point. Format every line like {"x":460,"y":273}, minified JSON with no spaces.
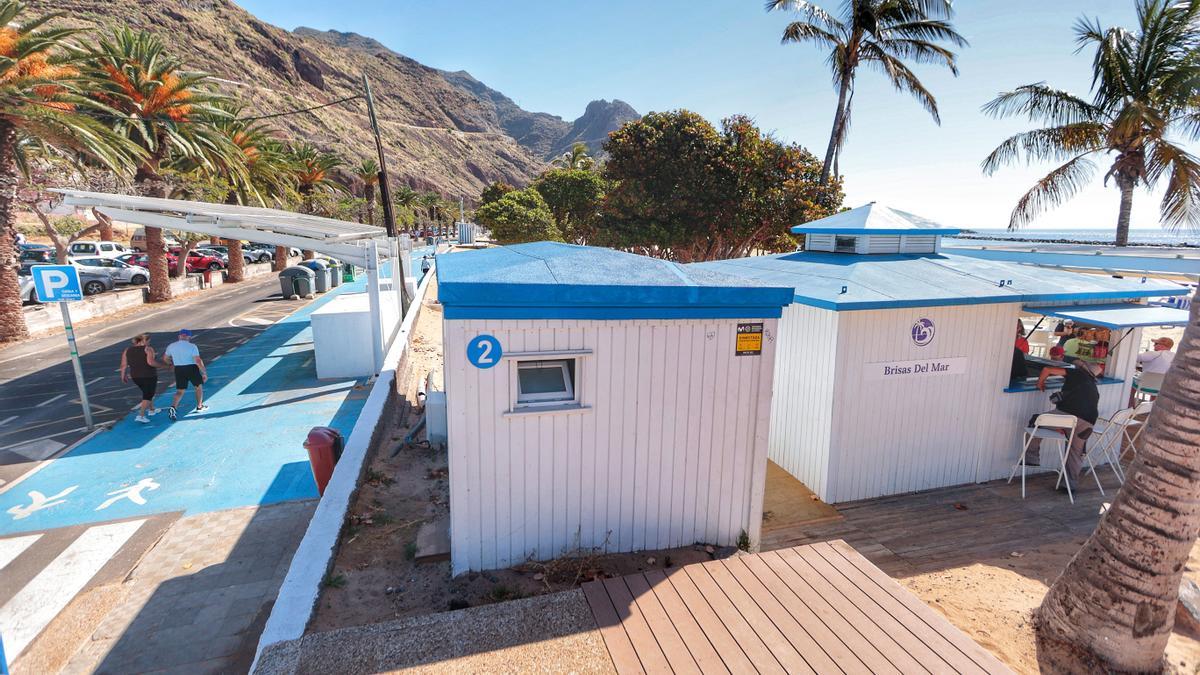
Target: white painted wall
{"x":849,"y":437}
{"x":670,"y":450}
{"x":802,"y":407}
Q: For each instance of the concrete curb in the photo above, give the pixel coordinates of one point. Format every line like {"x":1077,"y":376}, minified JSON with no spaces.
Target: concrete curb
{"x":313,"y":558}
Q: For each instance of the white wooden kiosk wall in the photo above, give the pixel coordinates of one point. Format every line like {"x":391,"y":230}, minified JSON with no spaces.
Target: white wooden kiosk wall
{"x":669,"y":450}
{"x":849,"y":434}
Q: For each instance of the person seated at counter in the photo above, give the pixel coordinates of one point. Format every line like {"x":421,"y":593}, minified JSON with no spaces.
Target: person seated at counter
{"x":1159,"y":359}
{"x":1022,"y":341}
{"x":1079,"y":396}
{"x":1064,"y":331}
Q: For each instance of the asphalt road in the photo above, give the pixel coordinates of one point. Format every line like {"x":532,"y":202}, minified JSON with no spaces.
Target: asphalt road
{"x":40,"y":412}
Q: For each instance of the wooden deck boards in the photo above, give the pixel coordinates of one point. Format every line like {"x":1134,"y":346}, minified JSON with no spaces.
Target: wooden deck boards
{"x":818,"y":608}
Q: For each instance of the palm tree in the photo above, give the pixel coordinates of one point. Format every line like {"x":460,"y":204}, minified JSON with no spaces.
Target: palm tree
{"x":168,"y":112}
{"x":41,"y":108}
{"x":312,"y":170}
{"x":267,"y":178}
{"x":880,"y":34}
{"x":1144,"y":91}
{"x":367,"y":172}
{"x":1113,"y":607}
{"x":575,"y":158}
{"x":431,"y":202}
{"x":405,"y":198}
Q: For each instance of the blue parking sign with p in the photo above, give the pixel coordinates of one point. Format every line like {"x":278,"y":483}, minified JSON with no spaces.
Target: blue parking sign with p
{"x":57,"y":283}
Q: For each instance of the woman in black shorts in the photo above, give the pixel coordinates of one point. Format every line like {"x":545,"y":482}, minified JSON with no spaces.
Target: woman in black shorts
{"x":137,"y":364}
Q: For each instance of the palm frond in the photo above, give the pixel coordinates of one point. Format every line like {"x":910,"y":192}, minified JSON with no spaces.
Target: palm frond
{"x":925,"y":30}
{"x":903,"y":79}
{"x":798,"y":31}
{"x":1180,"y":206}
{"x":1050,"y":144}
{"x":1041,"y":103}
{"x":809,"y":12}
{"x":921,"y":51}
{"x":1056,"y":187}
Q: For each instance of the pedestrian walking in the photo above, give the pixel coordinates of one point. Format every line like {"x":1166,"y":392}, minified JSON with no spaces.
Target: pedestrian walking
{"x":189,"y":369}
{"x":138,"y":364}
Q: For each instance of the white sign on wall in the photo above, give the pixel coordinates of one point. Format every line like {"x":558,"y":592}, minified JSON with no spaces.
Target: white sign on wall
{"x":903,"y":370}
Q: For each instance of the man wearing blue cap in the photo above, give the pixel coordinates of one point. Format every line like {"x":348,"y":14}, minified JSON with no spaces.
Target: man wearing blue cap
{"x":189,"y":368}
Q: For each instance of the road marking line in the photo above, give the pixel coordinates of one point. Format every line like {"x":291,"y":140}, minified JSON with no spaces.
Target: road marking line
{"x":35,"y":605}
{"x":49,"y":401}
{"x":11,"y":548}
{"x":256,"y":320}
{"x":94,"y":381}
{"x":37,"y":450}
{"x":6,"y":420}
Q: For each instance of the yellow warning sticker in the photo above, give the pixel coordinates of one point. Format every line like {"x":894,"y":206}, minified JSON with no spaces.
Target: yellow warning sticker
{"x":749,"y":339}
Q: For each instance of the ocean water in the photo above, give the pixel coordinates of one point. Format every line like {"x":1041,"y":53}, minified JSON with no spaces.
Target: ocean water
{"x":1151,"y":236}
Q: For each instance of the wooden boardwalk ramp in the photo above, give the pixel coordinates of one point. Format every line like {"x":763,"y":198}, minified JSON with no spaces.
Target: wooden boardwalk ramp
{"x":820,"y":608}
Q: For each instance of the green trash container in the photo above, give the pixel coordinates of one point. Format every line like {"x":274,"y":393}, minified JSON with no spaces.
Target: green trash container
{"x":348,"y":272}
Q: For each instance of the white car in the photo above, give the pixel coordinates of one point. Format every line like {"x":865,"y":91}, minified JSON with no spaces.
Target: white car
{"x":120,"y":272}
{"x":28,"y":294}
{"x":138,"y":240}
{"x":98,"y":249}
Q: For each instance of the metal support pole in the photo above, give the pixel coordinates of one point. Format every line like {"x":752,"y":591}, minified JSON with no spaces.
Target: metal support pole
{"x":400,"y":276}
{"x":83,"y":398}
{"x":385,"y":190}
{"x":373,"y":304}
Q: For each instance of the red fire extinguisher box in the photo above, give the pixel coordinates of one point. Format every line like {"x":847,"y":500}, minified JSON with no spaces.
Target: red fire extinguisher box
{"x":324,"y":446}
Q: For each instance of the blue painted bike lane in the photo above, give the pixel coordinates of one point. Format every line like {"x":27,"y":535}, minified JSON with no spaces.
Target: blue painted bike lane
{"x":245,"y":450}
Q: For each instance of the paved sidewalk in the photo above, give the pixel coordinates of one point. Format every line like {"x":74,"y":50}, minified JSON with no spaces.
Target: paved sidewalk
{"x":198,"y":600}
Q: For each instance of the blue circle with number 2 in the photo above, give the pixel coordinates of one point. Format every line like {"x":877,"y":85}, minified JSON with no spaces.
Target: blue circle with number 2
{"x":484,"y":351}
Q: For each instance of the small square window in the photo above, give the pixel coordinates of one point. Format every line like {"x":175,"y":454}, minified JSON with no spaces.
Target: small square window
{"x":545,"y":382}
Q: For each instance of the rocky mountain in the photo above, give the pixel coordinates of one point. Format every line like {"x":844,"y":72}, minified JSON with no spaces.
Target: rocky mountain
{"x":599,"y":119}
{"x":443,"y":131}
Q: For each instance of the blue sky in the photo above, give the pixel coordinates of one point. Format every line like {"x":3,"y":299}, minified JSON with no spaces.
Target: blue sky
{"x":723,"y":57}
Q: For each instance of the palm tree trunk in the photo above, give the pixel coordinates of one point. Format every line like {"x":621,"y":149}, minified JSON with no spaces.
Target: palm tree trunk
{"x":1113,"y":607}
{"x":151,"y":185}
{"x":1126,"y":187}
{"x":838,"y":119}
{"x":106,"y":225}
{"x":237,"y":263}
{"x":12,"y":317}
{"x":280,"y":262}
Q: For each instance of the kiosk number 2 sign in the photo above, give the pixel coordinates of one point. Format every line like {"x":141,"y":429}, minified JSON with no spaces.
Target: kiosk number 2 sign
{"x":483,"y":351}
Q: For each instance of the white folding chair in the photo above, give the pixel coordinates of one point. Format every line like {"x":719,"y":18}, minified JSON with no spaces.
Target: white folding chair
{"x":1141,"y":410}
{"x":1110,"y":431}
{"x":1058,"y":428}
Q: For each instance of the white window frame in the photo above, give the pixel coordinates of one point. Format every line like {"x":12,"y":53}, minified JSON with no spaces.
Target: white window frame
{"x":567,"y":397}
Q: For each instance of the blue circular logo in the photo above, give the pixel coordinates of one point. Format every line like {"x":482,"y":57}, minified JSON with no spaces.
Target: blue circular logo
{"x":922,"y":332}
{"x":483,"y":351}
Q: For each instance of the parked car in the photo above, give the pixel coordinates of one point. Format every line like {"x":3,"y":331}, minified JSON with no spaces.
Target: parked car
{"x":138,"y":241}
{"x":101,"y":249}
{"x":42,"y":256}
{"x":258,"y":253}
{"x":29,"y":246}
{"x":197,"y":261}
{"x":143,"y":260}
{"x":120,"y":271}
{"x":28,"y":295}
{"x":214,"y":252}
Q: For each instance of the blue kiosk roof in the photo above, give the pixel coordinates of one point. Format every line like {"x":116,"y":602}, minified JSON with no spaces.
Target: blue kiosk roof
{"x":841,"y":281}
{"x":874,"y":219}
{"x":549,"y":280}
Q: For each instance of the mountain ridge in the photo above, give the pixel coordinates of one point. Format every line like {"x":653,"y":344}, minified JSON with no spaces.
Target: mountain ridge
{"x":440,"y":133}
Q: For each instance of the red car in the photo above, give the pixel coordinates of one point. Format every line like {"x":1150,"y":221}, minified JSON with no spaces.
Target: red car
{"x":198,"y":262}
{"x":143,"y":260}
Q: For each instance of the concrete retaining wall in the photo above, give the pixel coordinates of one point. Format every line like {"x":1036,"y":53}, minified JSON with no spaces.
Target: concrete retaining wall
{"x":49,"y":318}
{"x":313,"y":558}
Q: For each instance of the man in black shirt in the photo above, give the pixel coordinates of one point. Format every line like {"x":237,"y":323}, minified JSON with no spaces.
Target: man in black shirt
{"x":1079,"y":397}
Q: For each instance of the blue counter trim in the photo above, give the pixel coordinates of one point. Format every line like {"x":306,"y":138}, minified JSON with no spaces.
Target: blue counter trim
{"x":452,"y":312}
{"x":1018,"y":388}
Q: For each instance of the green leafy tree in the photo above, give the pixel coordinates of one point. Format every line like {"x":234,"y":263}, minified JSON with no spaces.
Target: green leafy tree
{"x":494,"y":191}
{"x":682,"y":190}
{"x":519,"y":216}
{"x":574,"y":197}
{"x":880,"y":34}
{"x":167,"y":111}
{"x":1144,"y":91}
{"x":43,"y":110}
